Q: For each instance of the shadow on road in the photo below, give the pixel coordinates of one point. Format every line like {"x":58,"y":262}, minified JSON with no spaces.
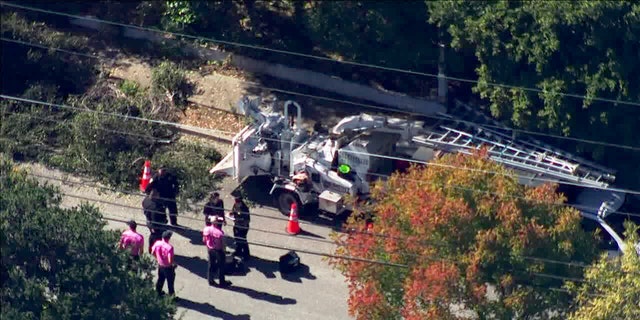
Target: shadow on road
{"x":296,"y":276}
{"x":209,"y":310}
{"x":266,"y":267}
{"x":269,"y":269}
{"x":268,"y":297}
{"x":196,"y":265}
{"x":309,"y":234}
{"x":194,"y":236}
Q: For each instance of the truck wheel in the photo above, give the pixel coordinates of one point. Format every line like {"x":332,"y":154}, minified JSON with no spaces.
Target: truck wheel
{"x":285,"y":199}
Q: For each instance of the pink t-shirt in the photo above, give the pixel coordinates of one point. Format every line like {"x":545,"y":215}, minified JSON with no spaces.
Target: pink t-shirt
{"x":212,"y":237}
{"x":163,"y":251}
{"x":133,"y":241}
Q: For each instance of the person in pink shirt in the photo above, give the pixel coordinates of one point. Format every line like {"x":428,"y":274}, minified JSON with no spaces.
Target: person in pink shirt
{"x":163,"y":251}
{"x":213,"y":238}
{"x":132,"y":240}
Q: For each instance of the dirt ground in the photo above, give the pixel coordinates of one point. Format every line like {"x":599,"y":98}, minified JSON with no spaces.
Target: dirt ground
{"x":215,"y":95}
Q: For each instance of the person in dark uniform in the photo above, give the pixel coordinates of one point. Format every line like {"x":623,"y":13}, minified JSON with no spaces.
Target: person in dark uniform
{"x":214,"y":207}
{"x":166,"y":183}
{"x":240,"y":216}
{"x":156,"y":217}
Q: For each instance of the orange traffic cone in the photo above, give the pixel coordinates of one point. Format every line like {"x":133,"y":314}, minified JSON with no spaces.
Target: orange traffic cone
{"x":146,"y":176}
{"x":293,"y":227}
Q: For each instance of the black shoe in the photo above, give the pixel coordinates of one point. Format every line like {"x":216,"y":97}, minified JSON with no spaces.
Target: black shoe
{"x":225,"y":284}
{"x":161,"y":293}
{"x":213,"y":283}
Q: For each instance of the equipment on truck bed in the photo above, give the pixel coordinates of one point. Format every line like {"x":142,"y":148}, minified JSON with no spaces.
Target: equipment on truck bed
{"x":312,"y":168}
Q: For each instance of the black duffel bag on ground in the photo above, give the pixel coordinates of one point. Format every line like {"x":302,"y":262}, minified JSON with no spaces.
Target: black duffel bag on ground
{"x":289,"y":262}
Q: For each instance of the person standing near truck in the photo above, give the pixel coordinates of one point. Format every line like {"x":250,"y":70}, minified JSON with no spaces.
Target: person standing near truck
{"x":166,"y":183}
{"x":213,"y":238}
{"x":214,"y":207}
{"x":156,"y":217}
{"x":240,"y":216}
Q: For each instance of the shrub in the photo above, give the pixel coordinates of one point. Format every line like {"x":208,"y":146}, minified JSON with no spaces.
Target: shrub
{"x":129,"y":88}
{"x":191,"y":163}
{"x":168,"y":81}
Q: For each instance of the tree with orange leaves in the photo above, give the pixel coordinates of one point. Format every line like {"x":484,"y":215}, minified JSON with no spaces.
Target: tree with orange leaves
{"x":467,"y":236}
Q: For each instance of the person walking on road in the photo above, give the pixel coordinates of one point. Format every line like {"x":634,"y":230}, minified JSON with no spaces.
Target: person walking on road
{"x":133,"y":241}
{"x":156,"y":217}
{"x":241,"y":217}
{"x":163,"y":251}
{"x":213,"y":238}
{"x":214,"y":207}
{"x":166,"y":183}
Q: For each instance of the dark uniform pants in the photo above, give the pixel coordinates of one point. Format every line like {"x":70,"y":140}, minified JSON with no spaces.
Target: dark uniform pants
{"x":169,"y":274}
{"x":172,"y":206}
{"x":216,"y":265}
{"x":240,"y":237}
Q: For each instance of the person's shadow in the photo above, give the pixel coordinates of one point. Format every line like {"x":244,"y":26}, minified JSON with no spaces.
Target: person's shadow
{"x":196,"y":265}
{"x":303,"y":271}
{"x":200,"y":267}
{"x":210,"y":310}
{"x":194,"y":236}
{"x":266,"y":267}
{"x":259,"y":295}
{"x":270,"y":267}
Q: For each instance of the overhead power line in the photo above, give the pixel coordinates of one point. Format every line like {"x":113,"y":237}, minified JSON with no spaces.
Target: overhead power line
{"x":310,"y":56}
{"x":140,"y":136}
{"x":370,"y":106}
{"x":341,"y":257}
{"x":117,"y":115}
{"x":368,"y":233}
{"x":266,"y":245}
{"x":177,"y":125}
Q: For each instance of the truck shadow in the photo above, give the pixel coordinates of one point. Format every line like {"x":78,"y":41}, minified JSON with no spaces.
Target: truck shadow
{"x":255,"y":190}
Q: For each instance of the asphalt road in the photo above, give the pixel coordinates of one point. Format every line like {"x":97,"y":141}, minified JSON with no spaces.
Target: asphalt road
{"x":315,"y":292}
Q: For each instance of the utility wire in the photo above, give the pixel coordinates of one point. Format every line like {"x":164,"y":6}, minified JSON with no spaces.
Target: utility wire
{"x":237,"y":44}
{"x":341,"y":242}
{"x":371,"y":106}
{"x":31,"y":44}
{"x":126,"y":117}
{"x":342,"y":257}
{"x":116,"y":132}
{"x":322,"y":254}
{"x":443,"y":185}
{"x":177,"y":125}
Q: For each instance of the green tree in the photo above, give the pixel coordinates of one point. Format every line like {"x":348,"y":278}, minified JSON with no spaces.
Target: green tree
{"x":178,"y":14}
{"x":61,"y":264}
{"x":612,"y":286}
{"x":467,"y":239}
{"x":582,"y":47}
{"x":374,"y":31}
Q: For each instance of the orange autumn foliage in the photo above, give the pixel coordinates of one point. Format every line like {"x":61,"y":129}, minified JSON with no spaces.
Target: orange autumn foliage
{"x":456,"y":231}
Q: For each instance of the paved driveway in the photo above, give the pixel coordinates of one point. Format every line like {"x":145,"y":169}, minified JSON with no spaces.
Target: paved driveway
{"x":316,"y":292}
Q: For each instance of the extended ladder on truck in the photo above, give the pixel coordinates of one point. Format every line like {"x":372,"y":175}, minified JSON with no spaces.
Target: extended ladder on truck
{"x":462,"y":135}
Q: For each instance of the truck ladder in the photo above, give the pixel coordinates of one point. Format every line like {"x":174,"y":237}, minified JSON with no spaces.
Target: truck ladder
{"x":453,"y":135}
